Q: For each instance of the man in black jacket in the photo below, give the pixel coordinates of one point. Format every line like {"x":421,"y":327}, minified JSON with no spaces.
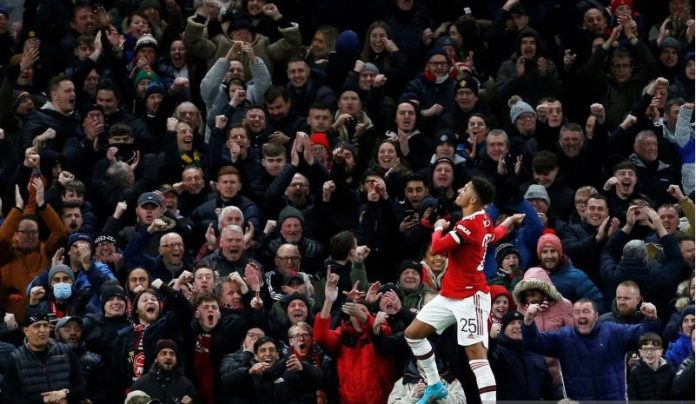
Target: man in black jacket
{"x":165,"y":381}
{"x":42,"y":370}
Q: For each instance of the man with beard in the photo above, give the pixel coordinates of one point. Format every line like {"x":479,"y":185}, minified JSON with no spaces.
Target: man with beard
{"x":600,"y":375}
{"x":570,"y":281}
{"x":133,"y":348}
{"x":165,"y":380}
{"x":292,"y":309}
{"x":625,"y":309}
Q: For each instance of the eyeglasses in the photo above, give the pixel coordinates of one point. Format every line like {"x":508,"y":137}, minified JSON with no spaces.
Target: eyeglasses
{"x":289,"y":258}
{"x":581,"y":202}
{"x":300,"y":336}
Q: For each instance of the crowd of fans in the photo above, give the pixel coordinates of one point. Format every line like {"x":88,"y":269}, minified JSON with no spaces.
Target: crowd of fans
{"x":180,"y":178}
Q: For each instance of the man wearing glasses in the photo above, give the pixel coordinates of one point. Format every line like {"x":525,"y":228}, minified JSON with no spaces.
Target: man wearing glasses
{"x":22,"y":253}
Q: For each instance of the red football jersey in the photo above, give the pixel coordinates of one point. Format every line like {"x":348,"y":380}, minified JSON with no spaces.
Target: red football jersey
{"x":465,"y":246}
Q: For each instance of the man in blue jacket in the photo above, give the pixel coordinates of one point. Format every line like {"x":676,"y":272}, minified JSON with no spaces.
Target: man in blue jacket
{"x":591,"y":353}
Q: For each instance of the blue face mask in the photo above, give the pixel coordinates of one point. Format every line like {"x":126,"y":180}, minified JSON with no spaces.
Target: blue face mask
{"x":62,"y":290}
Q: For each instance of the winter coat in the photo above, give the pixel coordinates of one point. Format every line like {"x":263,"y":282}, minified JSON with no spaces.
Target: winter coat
{"x":654,"y":180}
{"x":679,"y":349}
{"x":365,"y":376}
{"x":279,"y":384}
{"x":520,"y":374}
{"x":167,"y":387}
{"x":27,"y":376}
{"x":654,"y":279}
{"x":66,"y":127}
{"x":205,"y":214}
{"x":559,"y":313}
{"x":594,"y":364}
{"x":683,"y":382}
{"x":215,"y":94}
{"x":18,"y":269}
{"x":644,"y":383}
{"x":580,"y":245}
{"x":215,"y":48}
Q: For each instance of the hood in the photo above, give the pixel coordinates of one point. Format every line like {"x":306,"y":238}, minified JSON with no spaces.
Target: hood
{"x":536,"y":278}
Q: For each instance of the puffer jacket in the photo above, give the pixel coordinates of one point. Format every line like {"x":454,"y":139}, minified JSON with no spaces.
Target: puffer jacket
{"x":644,"y":383}
{"x":593,"y":364}
{"x":365,"y":376}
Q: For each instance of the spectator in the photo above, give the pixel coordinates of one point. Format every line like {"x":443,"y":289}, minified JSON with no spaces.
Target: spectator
{"x":651,"y":378}
{"x":605,"y":360}
{"x":520,"y":373}
{"x":64,"y":381}
{"x":165,"y":380}
{"x":570,"y":281}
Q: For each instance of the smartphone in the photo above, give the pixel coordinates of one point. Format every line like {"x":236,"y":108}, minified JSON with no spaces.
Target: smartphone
{"x":467,"y":11}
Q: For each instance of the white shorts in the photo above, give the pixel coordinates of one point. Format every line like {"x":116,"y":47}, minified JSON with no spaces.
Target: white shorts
{"x":470,"y":314}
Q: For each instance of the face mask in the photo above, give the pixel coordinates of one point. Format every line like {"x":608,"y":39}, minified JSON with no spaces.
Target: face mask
{"x":62,"y":290}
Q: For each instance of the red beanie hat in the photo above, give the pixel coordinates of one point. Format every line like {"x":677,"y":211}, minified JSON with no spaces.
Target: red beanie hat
{"x":320,"y":138}
{"x":549,"y":240}
{"x":616,"y":3}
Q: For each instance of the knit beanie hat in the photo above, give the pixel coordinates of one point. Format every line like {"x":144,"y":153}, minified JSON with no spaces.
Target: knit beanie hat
{"x":61,"y":268}
{"x":519,"y":107}
{"x":411,"y":264}
{"x":145,"y":75}
{"x":18,"y":96}
{"x":111,"y":291}
{"x":509,"y":317}
{"x":166,"y":343}
{"x":144,"y":41}
{"x":670,"y":42}
{"x":549,"y":240}
{"x":75,"y":237}
{"x":149,"y":3}
{"x":289,"y":212}
{"x":347,"y":41}
{"x":371,"y":67}
{"x":616,"y":3}
{"x":503,"y":250}
{"x":687,"y":310}
{"x":536,"y":191}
